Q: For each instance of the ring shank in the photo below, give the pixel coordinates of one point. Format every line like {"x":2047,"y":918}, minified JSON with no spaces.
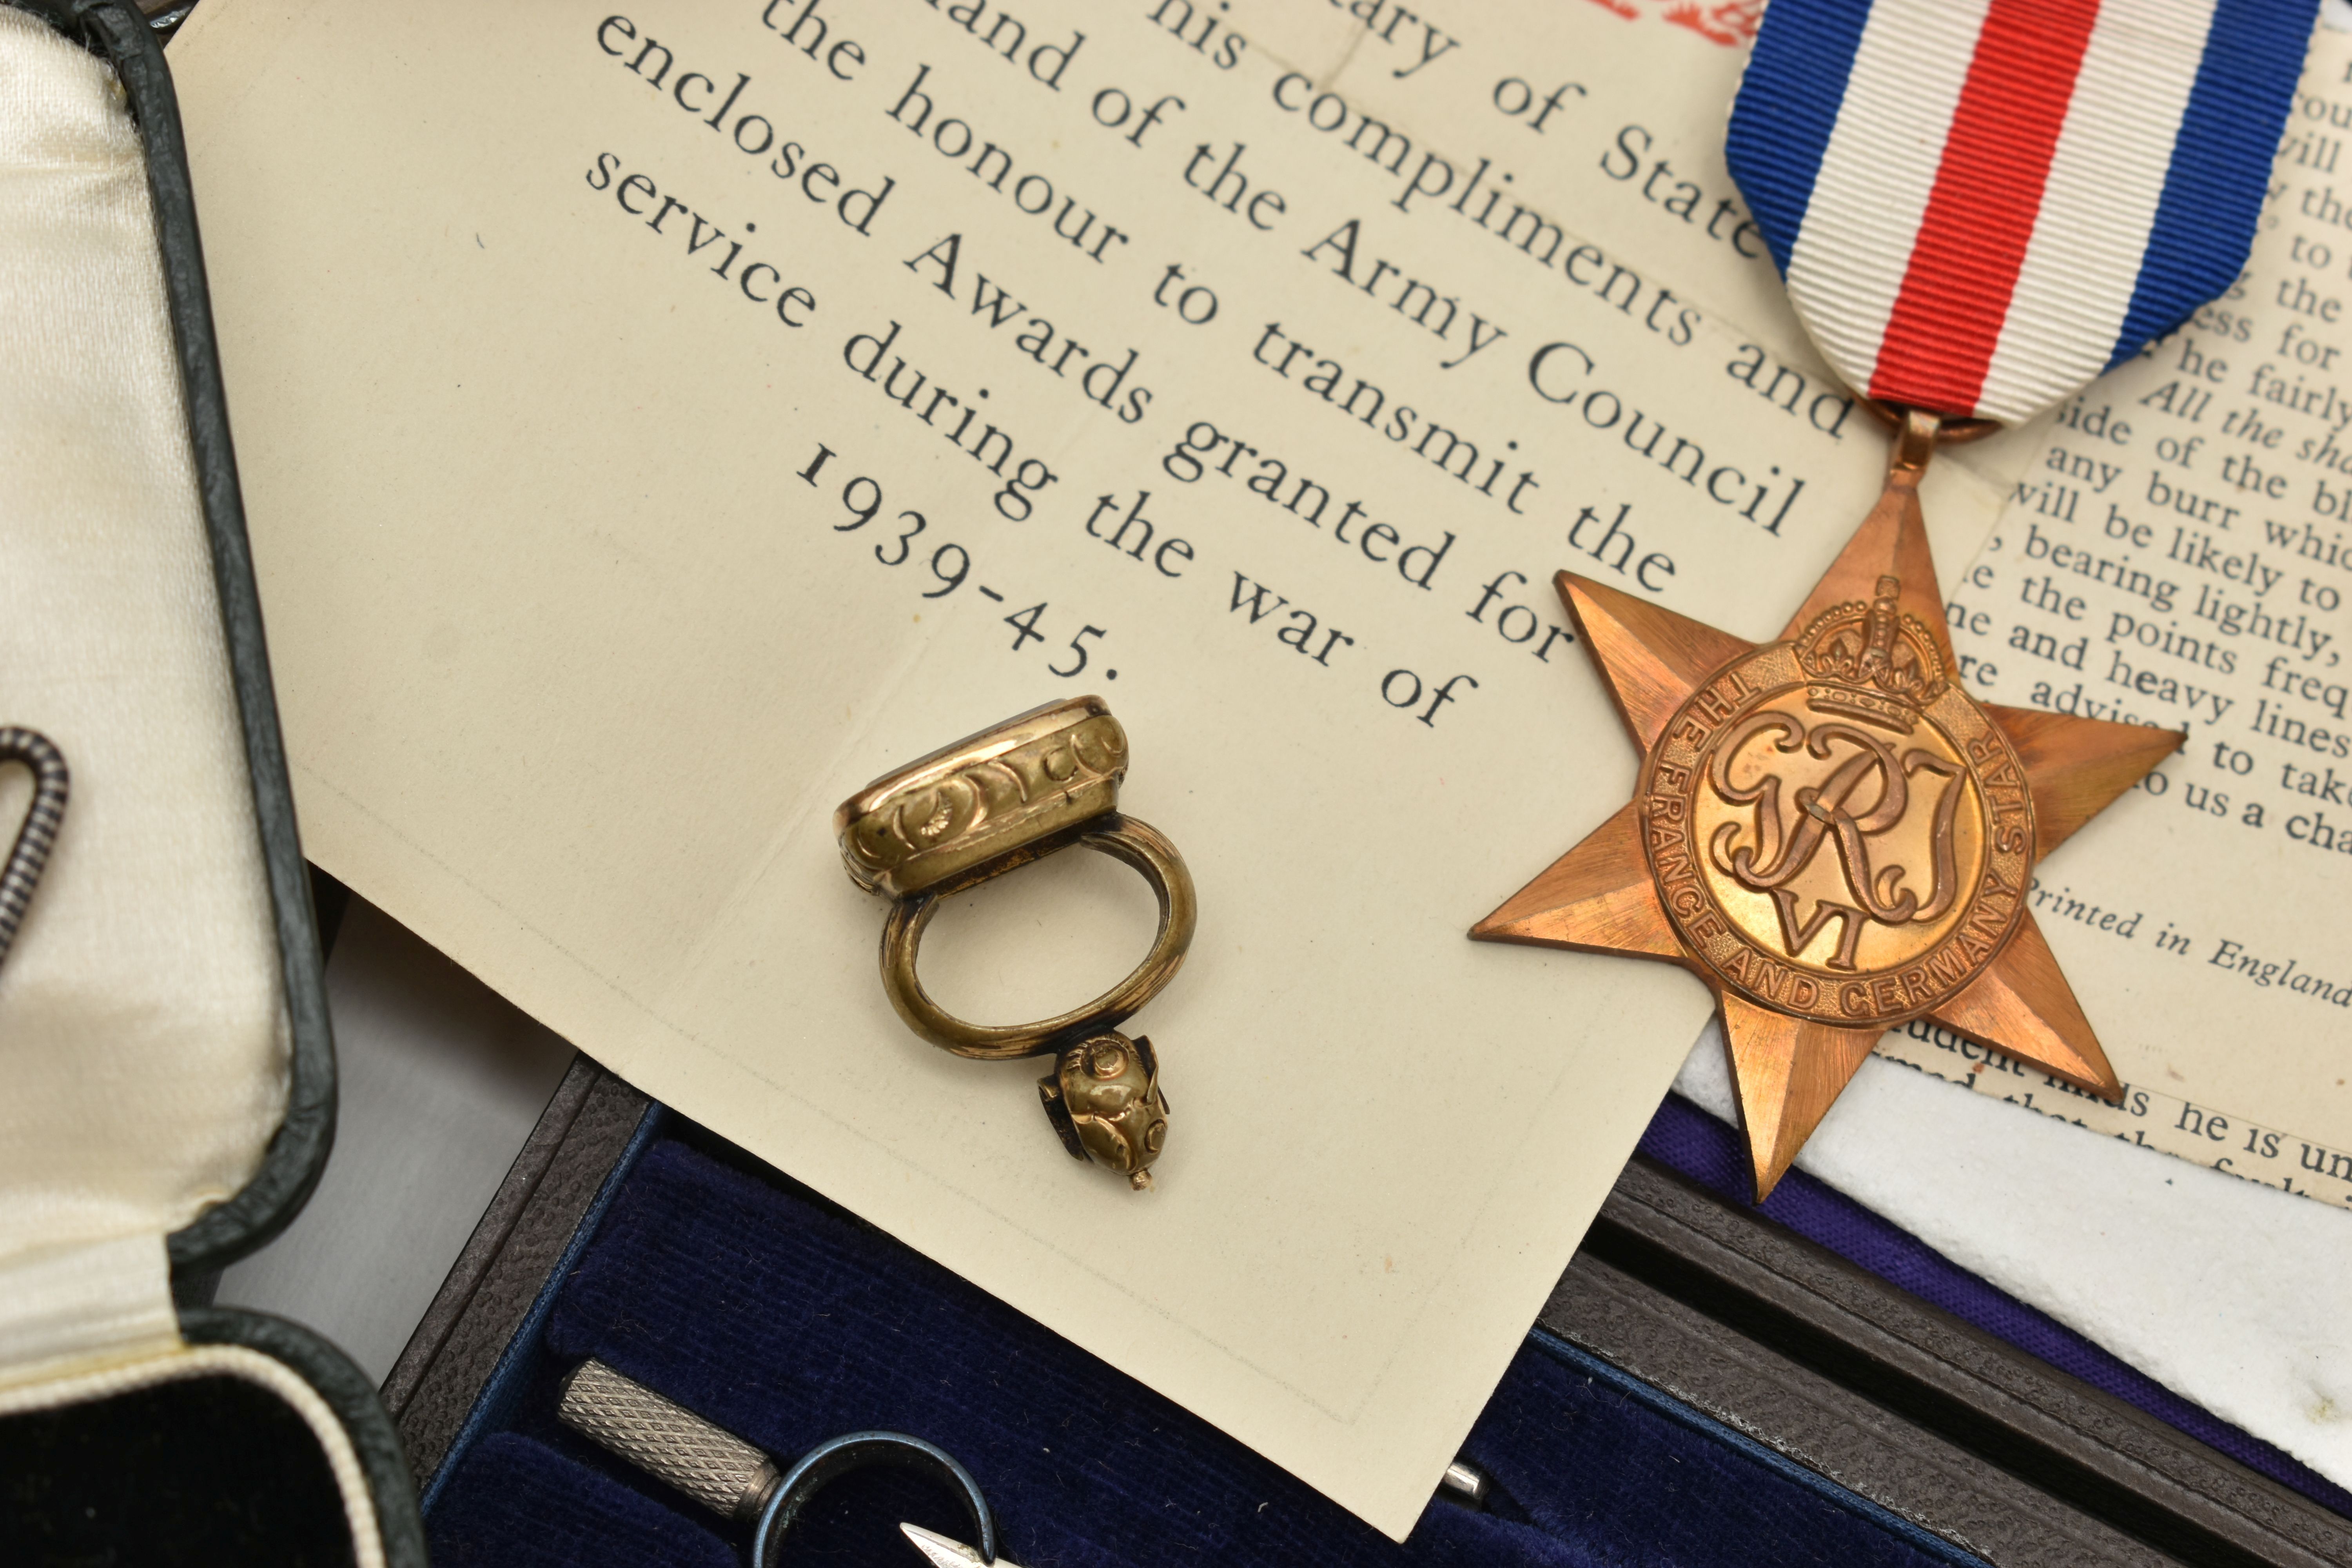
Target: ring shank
{"x":1140,"y":845}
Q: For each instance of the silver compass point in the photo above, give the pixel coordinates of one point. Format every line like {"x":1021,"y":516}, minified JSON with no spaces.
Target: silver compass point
{"x":943,"y":1552}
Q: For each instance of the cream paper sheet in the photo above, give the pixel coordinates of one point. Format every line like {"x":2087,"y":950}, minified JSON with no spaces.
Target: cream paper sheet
{"x":2178,"y":552}
{"x":557,"y":497}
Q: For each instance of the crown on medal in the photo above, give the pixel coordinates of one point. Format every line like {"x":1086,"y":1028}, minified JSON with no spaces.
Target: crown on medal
{"x":1861,"y":646}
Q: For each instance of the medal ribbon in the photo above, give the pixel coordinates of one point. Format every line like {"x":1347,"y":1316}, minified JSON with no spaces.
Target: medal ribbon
{"x":1980,"y":204}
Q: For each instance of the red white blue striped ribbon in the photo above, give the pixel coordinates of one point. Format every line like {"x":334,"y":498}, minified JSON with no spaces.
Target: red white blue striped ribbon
{"x":1979,"y":204}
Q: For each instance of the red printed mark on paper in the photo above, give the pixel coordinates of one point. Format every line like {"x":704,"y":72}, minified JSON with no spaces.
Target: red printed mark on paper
{"x":1728,"y":22}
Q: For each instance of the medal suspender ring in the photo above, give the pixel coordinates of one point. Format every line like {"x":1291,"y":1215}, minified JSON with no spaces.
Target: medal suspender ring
{"x":992,"y":802}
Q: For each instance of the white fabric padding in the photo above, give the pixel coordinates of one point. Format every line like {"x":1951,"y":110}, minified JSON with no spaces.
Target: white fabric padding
{"x":142,"y":1046}
{"x":2228,"y":1292}
{"x":83,"y":1304}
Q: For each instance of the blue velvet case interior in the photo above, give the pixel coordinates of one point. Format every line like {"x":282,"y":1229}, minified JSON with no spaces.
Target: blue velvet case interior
{"x":721,"y":1285}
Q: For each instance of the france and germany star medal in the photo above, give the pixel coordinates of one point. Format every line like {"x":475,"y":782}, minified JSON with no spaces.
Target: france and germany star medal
{"x":1831,"y":832}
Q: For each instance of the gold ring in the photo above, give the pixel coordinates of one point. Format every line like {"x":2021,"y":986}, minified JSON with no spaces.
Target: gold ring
{"x":1138,"y":844}
{"x":1027,"y":788}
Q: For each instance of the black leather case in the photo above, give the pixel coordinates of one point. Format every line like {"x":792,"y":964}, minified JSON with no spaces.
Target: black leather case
{"x":216,"y":1468}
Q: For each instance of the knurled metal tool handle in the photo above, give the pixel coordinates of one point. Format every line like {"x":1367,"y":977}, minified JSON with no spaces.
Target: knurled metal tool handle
{"x":708,"y":1463}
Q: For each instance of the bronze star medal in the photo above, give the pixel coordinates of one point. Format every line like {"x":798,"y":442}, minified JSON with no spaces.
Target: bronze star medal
{"x":1831,"y":832}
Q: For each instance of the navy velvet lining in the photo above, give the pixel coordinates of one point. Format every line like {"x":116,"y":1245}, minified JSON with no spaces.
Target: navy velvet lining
{"x":789,"y":1324}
